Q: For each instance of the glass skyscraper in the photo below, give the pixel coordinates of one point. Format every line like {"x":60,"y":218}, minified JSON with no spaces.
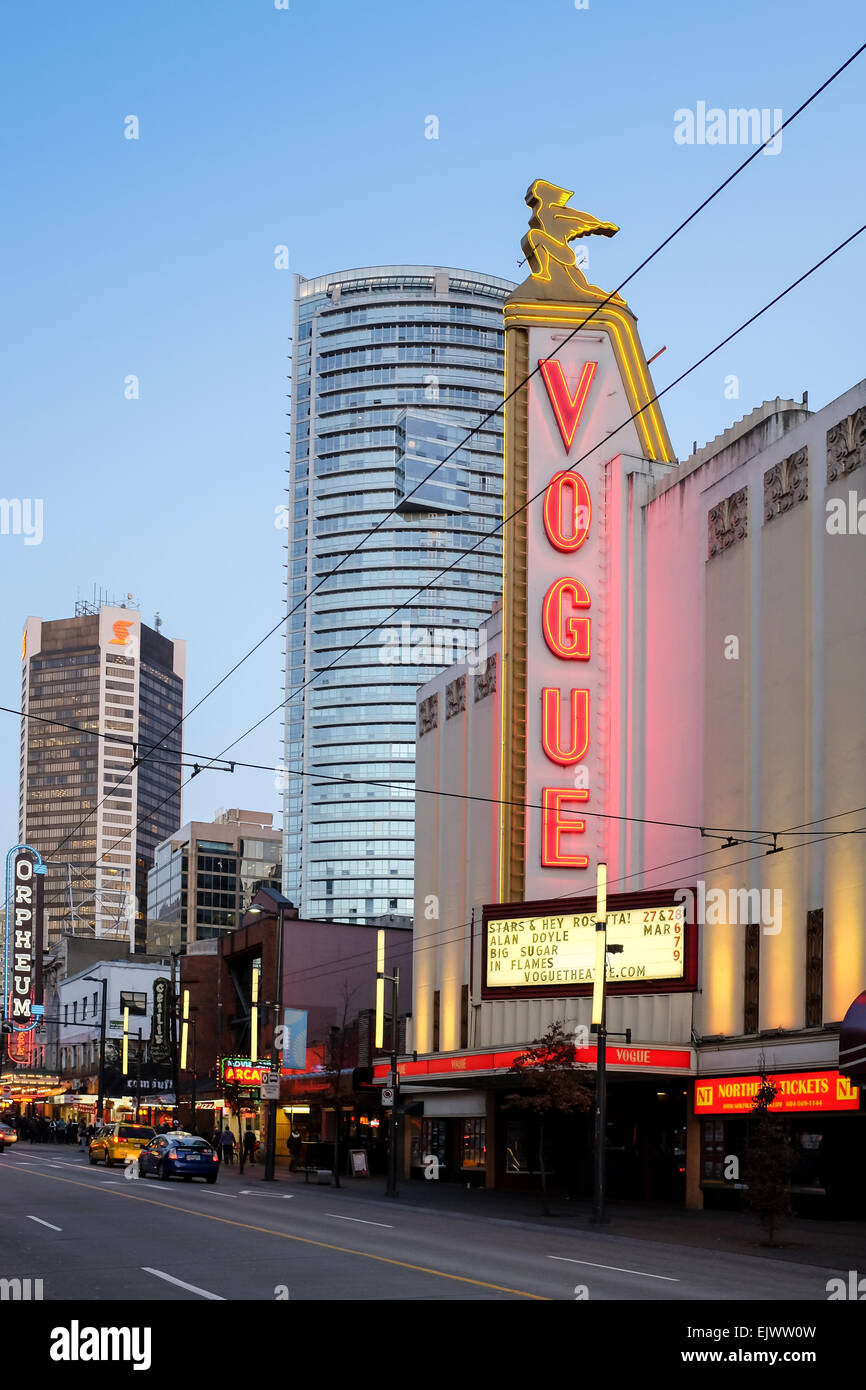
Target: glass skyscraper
{"x":392,"y":366}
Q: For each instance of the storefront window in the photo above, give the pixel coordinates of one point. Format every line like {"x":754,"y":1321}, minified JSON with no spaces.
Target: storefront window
{"x":474,"y":1134}
{"x":433,"y":1140}
{"x":713,"y":1150}
{"x":517,"y":1159}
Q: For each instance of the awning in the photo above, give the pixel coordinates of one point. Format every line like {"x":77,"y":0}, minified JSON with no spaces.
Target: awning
{"x":852,"y":1041}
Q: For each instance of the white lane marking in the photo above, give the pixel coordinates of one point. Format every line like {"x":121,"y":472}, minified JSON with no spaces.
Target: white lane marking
{"x":251,"y":1192}
{"x":193,"y":1288}
{"x":233,"y":1195}
{"x":44,"y":1223}
{"x":617,"y":1268}
{"x":359,"y":1219}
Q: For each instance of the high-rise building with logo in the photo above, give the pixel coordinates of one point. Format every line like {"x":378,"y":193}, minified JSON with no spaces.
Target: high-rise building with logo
{"x":393,"y":367}
{"x":98,"y":690}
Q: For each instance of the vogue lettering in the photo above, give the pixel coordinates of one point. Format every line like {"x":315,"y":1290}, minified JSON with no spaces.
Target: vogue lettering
{"x":566,"y":623}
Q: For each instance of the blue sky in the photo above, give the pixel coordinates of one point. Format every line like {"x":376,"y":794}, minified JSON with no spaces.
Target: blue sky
{"x":306,"y":127}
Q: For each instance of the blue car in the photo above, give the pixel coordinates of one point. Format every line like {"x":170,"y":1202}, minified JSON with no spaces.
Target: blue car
{"x":179,"y":1155}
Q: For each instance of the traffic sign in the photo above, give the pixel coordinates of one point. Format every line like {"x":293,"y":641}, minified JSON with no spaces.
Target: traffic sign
{"x":270,"y":1087}
{"x":387,"y":1095}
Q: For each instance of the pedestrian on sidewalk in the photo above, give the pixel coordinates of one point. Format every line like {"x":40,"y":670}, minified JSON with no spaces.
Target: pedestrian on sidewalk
{"x":250,"y":1144}
{"x":227,"y":1146}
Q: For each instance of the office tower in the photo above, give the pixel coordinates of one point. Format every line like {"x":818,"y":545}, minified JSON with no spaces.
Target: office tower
{"x":206,"y":875}
{"x":92,"y":811}
{"x":392,"y":367}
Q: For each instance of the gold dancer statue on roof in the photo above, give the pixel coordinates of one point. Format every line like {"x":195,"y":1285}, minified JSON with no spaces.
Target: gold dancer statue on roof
{"x":552,"y":226}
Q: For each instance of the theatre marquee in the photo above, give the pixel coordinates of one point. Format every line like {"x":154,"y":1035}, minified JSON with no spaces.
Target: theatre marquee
{"x":547,"y":949}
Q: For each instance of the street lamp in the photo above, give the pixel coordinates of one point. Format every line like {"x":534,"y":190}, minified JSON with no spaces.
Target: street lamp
{"x":257,"y":910}
{"x":394,"y":980}
{"x":100,"y":980}
{"x":603,"y":948}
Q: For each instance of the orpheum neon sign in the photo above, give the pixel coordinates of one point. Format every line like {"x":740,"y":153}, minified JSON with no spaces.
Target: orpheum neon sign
{"x":22,"y":968}
{"x":566,"y":623}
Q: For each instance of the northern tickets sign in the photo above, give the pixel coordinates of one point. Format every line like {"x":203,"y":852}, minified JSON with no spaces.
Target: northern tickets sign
{"x":798,"y":1093}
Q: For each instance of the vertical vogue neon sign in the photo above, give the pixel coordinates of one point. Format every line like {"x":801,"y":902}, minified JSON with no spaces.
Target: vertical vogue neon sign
{"x":566,"y":624}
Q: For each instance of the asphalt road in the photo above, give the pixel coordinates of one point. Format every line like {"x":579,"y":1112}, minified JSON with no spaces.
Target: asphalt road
{"x":92,"y":1234}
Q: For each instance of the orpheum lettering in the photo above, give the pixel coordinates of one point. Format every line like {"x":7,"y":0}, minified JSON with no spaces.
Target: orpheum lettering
{"x":23,"y":941}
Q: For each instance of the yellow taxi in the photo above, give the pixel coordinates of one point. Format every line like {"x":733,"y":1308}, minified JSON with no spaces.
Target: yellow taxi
{"x":117,"y":1142}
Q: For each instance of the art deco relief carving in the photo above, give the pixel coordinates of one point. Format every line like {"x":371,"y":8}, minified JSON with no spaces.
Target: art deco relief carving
{"x":485,"y":681}
{"x":428,"y":715}
{"x":846,"y":446}
{"x":455,"y":697}
{"x":728,"y":522}
{"x":786,"y":484}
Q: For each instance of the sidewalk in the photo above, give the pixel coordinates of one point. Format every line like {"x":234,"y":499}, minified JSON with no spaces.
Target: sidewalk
{"x":837,"y":1245}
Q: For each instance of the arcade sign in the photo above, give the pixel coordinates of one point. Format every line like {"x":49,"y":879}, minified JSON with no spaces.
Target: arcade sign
{"x":547,"y":949}
{"x":243,"y":1071}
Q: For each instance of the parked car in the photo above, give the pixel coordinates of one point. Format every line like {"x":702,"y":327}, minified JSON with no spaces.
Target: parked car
{"x":8,"y":1135}
{"x":179,"y":1155}
{"x":118,"y":1141}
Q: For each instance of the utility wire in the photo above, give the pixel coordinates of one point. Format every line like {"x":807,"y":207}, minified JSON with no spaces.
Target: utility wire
{"x":728,"y":338}
{"x":466,"y":927}
{"x":460,"y":558}
{"x":302,"y":602}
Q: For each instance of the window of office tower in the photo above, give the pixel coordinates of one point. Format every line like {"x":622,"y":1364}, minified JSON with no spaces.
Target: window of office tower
{"x":393,"y":366}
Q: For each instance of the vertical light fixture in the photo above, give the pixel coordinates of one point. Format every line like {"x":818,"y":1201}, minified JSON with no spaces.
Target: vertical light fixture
{"x":254,"y":1013}
{"x":184,"y":1032}
{"x":125,"y":1064}
{"x":600,"y":944}
{"x":380,"y":989}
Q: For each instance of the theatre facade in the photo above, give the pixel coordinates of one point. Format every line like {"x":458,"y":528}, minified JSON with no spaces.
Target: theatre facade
{"x":672,"y":686}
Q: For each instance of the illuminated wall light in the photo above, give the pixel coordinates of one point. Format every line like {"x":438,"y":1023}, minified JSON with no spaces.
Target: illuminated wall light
{"x":600,"y":944}
{"x":380,"y":989}
{"x":254,"y":1014}
{"x":184,"y":1031}
{"x":125,"y":1063}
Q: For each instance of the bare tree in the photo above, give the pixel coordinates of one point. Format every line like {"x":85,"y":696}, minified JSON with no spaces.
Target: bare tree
{"x":337,"y":1048}
{"x":768,"y":1162}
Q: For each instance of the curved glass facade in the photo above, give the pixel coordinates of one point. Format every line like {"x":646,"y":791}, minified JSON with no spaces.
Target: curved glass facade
{"x":392,"y":367}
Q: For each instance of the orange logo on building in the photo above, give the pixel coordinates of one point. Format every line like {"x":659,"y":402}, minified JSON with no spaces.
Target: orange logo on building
{"x":121,"y":632}
{"x":704,"y":1095}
